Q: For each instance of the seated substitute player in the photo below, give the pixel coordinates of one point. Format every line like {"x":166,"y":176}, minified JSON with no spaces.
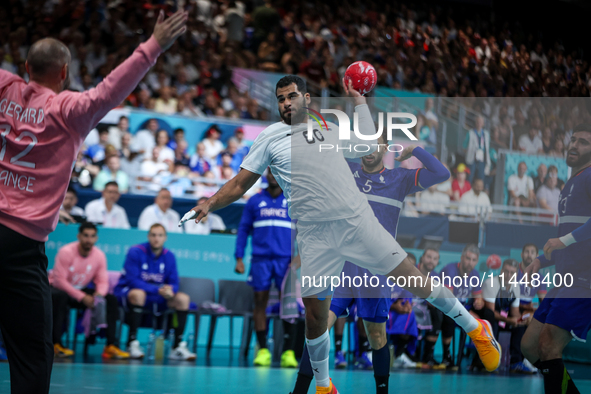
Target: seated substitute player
{"x":334,"y":221}
{"x":265,"y":218}
{"x":565,"y":312}
{"x":528,"y":292}
{"x":402,"y":328}
{"x":427,"y":263}
{"x":150,"y":281}
{"x":468,"y":261}
{"x":503,"y":298}
{"x":77,"y":264}
{"x":105,"y":210}
{"x":385,"y":190}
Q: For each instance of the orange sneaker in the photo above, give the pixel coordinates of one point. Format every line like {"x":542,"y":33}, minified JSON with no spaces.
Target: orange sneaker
{"x":62,"y":352}
{"x":115,"y":353}
{"x":327,"y":390}
{"x":487,"y":346}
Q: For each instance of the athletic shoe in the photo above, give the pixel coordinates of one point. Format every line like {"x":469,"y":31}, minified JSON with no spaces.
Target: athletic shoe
{"x":486,"y":345}
{"x":115,"y":353}
{"x":431,"y":364}
{"x":529,"y":365}
{"x":340,"y":362}
{"x":288,"y":359}
{"x":403,"y":361}
{"x":327,"y":390}
{"x":182,"y":353}
{"x":134,"y":349}
{"x":263,"y":358}
{"x":521,"y":368}
{"x":363,"y":362}
{"x":62,"y":352}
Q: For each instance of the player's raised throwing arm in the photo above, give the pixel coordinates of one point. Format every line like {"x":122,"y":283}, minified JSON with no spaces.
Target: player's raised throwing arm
{"x":434,"y":171}
{"x":230,"y":192}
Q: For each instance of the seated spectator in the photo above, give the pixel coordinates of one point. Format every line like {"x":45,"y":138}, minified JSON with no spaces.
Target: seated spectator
{"x":548,"y":194}
{"x":225,"y":170}
{"x":144,"y":140}
{"x":207,"y":189}
{"x":211,"y":222}
{"x":433,"y":202}
{"x":212,"y":143}
{"x":242,"y":146}
{"x":105,"y":210}
{"x":160,"y":212}
{"x":460,"y":185}
{"x":541,"y":177}
{"x":468,"y":288}
{"x":150,"y":282}
{"x":531,"y":142}
{"x":84,"y":170}
{"x":180,"y":155}
{"x":521,"y":188}
{"x":151,"y":167}
{"x":475,"y":201}
{"x":558,"y":150}
{"x":166,"y":104}
{"x":547,"y":140}
{"x":179,"y":136}
{"x":210,"y":104}
{"x":116,"y":132}
{"x":77,"y":265}
{"x":477,"y":149}
{"x":199,"y":162}
{"x":503,"y":299}
{"x":402,"y":328}
{"x":69,"y":204}
{"x":111,"y":173}
{"x":130,"y":161}
{"x":235,"y":153}
{"x":96,"y":152}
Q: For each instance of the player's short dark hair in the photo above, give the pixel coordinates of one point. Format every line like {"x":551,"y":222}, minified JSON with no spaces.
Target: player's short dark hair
{"x":425,"y":252}
{"x":72,"y":190}
{"x":530,"y":245}
{"x":103,"y":130}
{"x":511,"y":262}
{"x":123,"y":117}
{"x":288,"y":80}
{"x":477,"y":179}
{"x":582,"y":127}
{"x":178,"y":130}
{"x":87,"y":226}
{"x":112,"y":183}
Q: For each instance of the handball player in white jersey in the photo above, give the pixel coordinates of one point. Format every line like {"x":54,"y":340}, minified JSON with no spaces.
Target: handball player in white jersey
{"x":334,"y":220}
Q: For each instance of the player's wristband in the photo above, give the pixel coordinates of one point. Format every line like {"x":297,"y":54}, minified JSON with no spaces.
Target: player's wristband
{"x":567,"y":239}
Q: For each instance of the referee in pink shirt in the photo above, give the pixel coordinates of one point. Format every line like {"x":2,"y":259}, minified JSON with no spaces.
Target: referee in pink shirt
{"x":41,"y":130}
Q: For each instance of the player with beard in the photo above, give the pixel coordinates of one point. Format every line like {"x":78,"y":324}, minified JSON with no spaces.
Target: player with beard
{"x":527,"y":293}
{"x":565,"y":312}
{"x":334,"y":220}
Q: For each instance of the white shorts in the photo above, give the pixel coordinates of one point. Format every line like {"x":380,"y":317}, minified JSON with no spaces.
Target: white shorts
{"x":325,"y":246}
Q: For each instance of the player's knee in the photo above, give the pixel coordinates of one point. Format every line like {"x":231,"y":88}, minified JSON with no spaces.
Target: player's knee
{"x":181,"y":301}
{"x":137,"y":297}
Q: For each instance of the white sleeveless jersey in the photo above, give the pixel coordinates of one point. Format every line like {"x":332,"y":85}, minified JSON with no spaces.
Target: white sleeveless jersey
{"x":318,"y":185}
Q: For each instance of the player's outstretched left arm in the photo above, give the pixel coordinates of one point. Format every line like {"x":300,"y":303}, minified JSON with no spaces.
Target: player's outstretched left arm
{"x":434,"y":171}
{"x":230,"y":192}
{"x":582,"y":233}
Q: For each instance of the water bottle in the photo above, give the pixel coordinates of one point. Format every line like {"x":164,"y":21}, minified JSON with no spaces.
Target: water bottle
{"x":151,"y":340}
{"x":159,"y":347}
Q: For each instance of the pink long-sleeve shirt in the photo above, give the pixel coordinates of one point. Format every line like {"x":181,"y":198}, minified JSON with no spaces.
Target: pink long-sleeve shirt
{"x":41,"y":133}
{"x":73,"y":272}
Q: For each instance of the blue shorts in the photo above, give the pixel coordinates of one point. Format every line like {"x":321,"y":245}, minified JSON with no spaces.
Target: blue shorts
{"x":154,"y":302}
{"x":263,"y":271}
{"x":568,"y":308}
{"x":373,"y":310}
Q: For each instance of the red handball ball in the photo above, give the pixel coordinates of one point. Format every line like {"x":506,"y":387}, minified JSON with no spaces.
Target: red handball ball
{"x":493,"y":262}
{"x":363,"y":75}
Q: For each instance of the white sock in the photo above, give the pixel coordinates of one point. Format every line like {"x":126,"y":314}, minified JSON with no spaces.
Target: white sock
{"x":319,"y":349}
{"x":443,"y":299}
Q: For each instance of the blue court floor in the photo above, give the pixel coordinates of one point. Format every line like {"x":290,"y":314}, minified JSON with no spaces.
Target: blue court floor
{"x":222,"y":374}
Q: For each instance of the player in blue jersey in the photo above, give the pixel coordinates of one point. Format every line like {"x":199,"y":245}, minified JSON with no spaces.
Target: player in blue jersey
{"x":528,"y":293}
{"x":265,"y":218}
{"x":565,"y":312}
{"x":385,"y":190}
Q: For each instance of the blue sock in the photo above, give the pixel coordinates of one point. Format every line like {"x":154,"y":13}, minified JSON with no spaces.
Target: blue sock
{"x":381,"y":368}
